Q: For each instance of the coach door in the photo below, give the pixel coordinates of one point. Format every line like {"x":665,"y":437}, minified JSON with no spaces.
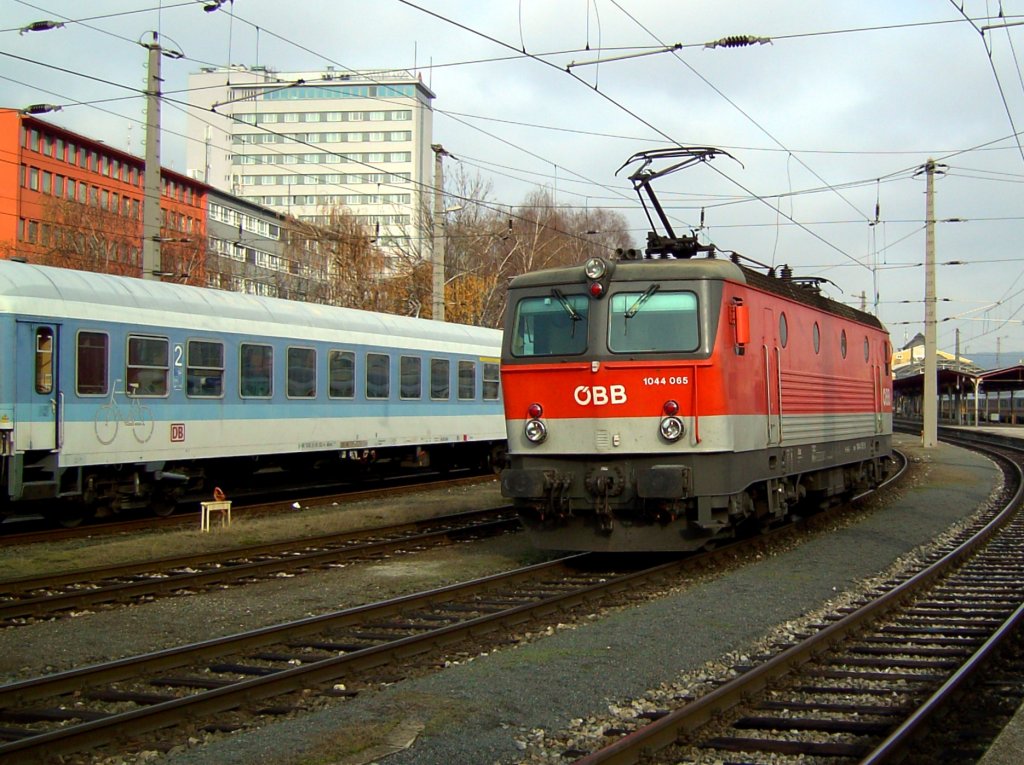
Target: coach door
{"x":38,"y":413}
{"x":772,"y":360}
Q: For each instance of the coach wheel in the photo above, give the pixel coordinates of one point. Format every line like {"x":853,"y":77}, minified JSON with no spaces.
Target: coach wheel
{"x":74,"y":514}
{"x":162,"y":504}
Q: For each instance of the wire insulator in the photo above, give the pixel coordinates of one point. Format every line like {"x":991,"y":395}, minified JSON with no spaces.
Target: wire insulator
{"x":738,"y":41}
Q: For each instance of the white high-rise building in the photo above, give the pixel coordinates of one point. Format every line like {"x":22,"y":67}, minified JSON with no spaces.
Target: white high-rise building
{"x":304,"y":143}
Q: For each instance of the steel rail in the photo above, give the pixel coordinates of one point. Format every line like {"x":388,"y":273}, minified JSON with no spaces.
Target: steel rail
{"x":339,"y":546}
{"x":666,"y":731}
{"x":75,"y":737}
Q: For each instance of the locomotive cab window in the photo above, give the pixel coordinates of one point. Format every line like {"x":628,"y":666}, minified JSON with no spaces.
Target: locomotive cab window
{"x":301,"y":372}
{"x":91,"y":366}
{"x":44,"y":360}
{"x":204,"y":369}
{"x":653,"y":321}
{"x":552,"y":325}
{"x":147,"y":366}
{"x":256,"y":371}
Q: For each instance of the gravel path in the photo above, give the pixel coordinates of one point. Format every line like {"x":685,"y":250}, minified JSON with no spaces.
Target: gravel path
{"x":489,"y":709}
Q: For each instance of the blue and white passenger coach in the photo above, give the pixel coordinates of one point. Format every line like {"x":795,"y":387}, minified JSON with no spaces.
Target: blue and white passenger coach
{"x":118,"y":393}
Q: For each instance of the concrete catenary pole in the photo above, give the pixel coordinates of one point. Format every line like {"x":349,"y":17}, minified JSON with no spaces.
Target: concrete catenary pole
{"x":438,"y":248}
{"x":929,"y":431}
{"x":151,"y":260}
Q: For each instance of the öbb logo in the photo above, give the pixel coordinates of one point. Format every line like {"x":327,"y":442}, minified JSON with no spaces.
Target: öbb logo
{"x":598,"y":395}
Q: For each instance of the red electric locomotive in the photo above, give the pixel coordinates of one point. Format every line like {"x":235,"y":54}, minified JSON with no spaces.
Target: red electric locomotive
{"x":662,"y":403}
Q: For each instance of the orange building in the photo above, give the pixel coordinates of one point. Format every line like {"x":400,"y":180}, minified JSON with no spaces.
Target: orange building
{"x":74,"y":202}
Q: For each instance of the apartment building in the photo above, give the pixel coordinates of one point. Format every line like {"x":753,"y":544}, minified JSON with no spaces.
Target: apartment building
{"x":307,"y":143}
{"x":75,"y":202}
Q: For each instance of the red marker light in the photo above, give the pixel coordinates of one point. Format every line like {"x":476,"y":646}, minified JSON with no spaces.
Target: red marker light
{"x":596,"y":289}
{"x":534,"y":411}
{"x":670,"y":408}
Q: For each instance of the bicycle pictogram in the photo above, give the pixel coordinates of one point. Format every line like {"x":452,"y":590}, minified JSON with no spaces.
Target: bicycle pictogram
{"x":135,"y":415}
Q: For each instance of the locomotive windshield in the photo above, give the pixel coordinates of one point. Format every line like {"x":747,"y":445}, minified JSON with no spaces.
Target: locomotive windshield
{"x":653,"y":320}
{"x":551,"y":325}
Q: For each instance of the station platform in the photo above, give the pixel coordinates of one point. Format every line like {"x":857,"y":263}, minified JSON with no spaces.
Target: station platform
{"x":1008,"y":748}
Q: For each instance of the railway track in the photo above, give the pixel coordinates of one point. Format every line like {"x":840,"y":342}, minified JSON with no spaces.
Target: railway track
{"x":22,"y":600}
{"x":867,"y":681}
{"x":70,"y":711}
{"x":243,"y":506}
{"x":224,"y":683}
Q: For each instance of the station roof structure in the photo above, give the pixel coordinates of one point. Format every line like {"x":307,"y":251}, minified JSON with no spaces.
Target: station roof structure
{"x":909,"y":379}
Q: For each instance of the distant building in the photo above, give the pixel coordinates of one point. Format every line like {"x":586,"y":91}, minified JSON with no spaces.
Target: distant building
{"x":909,"y":360}
{"x":304,"y":143}
{"x":74,"y":202}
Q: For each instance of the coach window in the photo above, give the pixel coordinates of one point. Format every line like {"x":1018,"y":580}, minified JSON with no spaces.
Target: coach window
{"x":637,"y":321}
{"x":147,"y":366}
{"x":302,"y":373}
{"x":492,"y":381}
{"x":341,"y":369}
{"x":783,"y":330}
{"x":817,"y":337}
{"x":440,"y":379}
{"x":91,"y":364}
{"x":410,"y":371}
{"x":204,"y":368}
{"x":256,"y":371}
{"x":842,"y":343}
{"x":378,"y":375}
{"x":467,"y":380}
{"x":44,"y":360}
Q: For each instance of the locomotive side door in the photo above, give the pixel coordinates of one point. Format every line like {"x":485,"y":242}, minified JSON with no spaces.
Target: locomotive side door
{"x":772,"y":362}
{"x":38,"y":397}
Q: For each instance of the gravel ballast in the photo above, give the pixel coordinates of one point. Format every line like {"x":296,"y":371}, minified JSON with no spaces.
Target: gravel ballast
{"x":496,"y":707}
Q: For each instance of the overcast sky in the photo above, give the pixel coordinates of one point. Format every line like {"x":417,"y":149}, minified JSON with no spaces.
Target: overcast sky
{"x":834,"y":114}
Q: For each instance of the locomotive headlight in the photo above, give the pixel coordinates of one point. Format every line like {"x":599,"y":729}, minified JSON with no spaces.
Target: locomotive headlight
{"x":671,"y":428}
{"x":536,"y":431}
{"x":595,"y":268}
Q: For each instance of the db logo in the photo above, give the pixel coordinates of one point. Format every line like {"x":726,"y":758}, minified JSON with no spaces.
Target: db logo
{"x":598,"y":395}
